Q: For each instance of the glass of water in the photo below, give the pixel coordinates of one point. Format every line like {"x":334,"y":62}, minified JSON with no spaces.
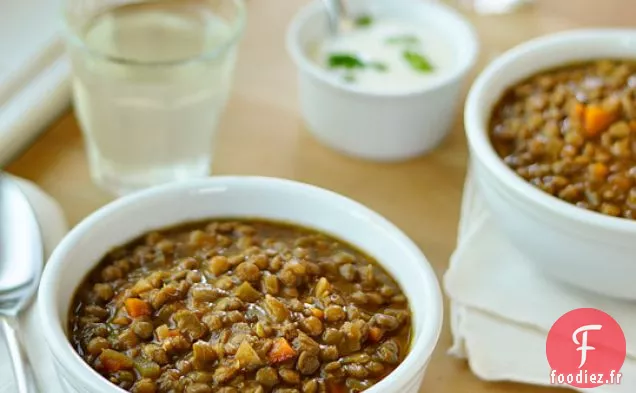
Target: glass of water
{"x":150,"y":82}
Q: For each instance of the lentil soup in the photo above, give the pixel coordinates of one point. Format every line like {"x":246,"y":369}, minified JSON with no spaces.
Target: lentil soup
{"x":571,"y":132}
{"x":240,"y":306}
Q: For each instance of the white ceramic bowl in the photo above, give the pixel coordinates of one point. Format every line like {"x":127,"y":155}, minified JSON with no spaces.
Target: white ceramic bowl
{"x":383,"y":127}
{"x":222,"y":197}
{"x":582,"y":248}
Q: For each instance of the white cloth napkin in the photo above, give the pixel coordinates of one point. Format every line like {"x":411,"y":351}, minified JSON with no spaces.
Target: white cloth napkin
{"x":53,"y":226}
{"x":502,"y":309}
{"x":34,"y":73}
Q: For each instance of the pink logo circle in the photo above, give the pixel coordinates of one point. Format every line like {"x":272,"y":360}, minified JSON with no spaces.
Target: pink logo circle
{"x":586,"y":348}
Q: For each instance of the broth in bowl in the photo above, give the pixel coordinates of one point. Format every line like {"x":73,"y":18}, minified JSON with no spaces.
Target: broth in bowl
{"x":571,"y":131}
{"x":240,"y":306}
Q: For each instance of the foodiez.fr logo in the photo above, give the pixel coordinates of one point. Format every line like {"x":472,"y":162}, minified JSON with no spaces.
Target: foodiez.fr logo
{"x":586,"y":348}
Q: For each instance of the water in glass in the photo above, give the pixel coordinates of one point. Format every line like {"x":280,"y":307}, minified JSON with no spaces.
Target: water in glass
{"x":150,"y":82}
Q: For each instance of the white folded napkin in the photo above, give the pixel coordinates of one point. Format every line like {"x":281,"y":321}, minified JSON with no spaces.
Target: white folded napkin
{"x":34,"y":73}
{"x":53,"y":226}
{"x":502,"y":309}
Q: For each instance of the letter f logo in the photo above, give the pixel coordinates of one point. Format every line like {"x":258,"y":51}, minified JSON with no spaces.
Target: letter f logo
{"x":583,"y":343}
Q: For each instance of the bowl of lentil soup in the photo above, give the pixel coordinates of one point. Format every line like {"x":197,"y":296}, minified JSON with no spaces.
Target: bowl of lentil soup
{"x":552,"y":136}
{"x":235,"y":284}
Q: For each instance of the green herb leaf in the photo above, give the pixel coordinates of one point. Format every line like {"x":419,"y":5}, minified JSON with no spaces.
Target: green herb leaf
{"x":418,"y":61}
{"x":350,"y":63}
{"x":364,"y":21}
{"x":403,"y":40}
{"x":345,"y":60}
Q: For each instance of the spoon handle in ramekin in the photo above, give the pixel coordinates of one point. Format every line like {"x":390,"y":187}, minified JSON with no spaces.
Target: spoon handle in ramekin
{"x":336,"y":12}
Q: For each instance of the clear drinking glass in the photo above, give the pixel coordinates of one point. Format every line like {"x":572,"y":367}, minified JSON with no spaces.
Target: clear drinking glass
{"x":150,"y":81}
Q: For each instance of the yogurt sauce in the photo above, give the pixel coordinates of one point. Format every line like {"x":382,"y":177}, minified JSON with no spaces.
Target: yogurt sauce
{"x":387,"y":55}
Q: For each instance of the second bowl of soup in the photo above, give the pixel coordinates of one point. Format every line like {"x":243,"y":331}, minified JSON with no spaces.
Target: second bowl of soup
{"x":551,"y":126}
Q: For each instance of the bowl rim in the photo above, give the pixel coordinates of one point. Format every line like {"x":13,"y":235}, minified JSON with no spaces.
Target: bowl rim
{"x":469,"y":40}
{"x":476,"y":118}
{"x":421,"y":348}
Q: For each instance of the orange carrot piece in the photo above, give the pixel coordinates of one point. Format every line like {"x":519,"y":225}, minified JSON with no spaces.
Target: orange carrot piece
{"x":375,"y":334}
{"x":596,"y":120}
{"x":137,"y":307}
{"x":114,"y":361}
{"x":281,"y":351}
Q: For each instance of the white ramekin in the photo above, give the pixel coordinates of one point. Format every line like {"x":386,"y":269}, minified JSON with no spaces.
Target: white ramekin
{"x":578,"y":247}
{"x":223,"y":197}
{"x":382,"y":127}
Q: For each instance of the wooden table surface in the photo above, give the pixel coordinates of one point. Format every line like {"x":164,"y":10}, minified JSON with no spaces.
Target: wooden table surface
{"x":262,"y":134}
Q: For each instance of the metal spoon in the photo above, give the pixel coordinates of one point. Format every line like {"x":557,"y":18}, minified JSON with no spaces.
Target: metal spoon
{"x":21,"y":263}
{"x":337,"y":15}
